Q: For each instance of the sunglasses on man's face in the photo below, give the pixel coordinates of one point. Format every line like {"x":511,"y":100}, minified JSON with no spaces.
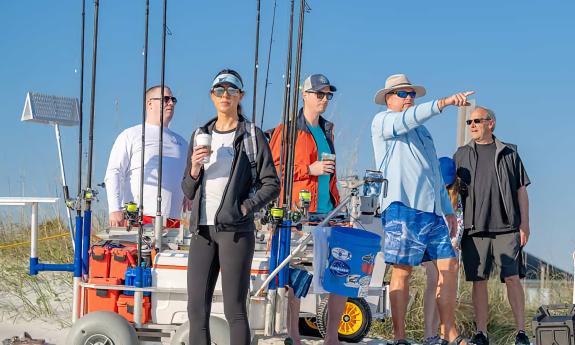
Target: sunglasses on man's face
{"x":167,"y":99}
{"x":476,"y":121}
{"x":404,"y":94}
{"x":320,"y":95}
{"x":219,"y":91}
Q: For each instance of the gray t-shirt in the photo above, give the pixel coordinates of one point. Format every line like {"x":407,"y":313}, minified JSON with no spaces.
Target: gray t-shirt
{"x":489,"y":212}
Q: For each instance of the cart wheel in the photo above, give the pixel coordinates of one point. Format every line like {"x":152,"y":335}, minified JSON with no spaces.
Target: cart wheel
{"x":308,"y":327}
{"x":355,"y":321}
{"x":219,"y":331}
{"x":102,"y":327}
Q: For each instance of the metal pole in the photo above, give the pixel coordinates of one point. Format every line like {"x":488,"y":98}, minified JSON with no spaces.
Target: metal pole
{"x":66,"y":194}
{"x":256,"y":64}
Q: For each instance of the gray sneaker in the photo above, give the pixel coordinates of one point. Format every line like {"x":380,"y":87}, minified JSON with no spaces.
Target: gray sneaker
{"x":479,"y":339}
{"x":522,"y":339}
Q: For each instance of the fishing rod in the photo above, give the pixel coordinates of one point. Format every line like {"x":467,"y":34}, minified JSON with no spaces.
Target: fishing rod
{"x":256,"y":64}
{"x":278,"y":237}
{"x":138,"y":281}
{"x":77,"y":203}
{"x":268,"y":66}
{"x":78,"y":207}
{"x":294,"y":109}
{"x":286,"y":101}
{"x":142,"y":157}
{"x":158,"y":221}
{"x":88,"y":193}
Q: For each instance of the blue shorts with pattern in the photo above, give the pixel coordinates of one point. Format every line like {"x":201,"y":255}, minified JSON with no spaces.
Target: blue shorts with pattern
{"x":413,"y":236}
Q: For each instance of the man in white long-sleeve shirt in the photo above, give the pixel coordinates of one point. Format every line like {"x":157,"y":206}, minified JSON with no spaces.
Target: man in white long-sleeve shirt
{"x":123,"y":171}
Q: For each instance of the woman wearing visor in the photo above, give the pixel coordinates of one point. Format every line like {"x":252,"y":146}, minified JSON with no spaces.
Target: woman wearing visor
{"x":225,"y":193}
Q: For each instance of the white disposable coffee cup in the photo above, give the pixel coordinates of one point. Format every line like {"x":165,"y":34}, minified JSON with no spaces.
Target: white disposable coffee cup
{"x":205,"y":140}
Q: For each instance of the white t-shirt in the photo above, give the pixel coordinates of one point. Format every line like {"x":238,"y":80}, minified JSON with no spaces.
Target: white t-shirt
{"x":216,"y":175}
{"x":123,"y":171}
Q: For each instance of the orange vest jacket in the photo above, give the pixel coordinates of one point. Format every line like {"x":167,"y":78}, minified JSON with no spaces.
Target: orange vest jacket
{"x":305,"y":155}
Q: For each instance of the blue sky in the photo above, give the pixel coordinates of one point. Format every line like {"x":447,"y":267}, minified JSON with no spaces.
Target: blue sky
{"x":517,"y":55}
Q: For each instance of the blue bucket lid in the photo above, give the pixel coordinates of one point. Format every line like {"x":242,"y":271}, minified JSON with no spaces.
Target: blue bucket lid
{"x":357,"y":236}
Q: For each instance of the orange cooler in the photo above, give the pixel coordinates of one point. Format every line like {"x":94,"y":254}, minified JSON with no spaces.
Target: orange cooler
{"x":102,"y":299}
{"x":126,"y":308}
{"x":99,"y":262}
{"x":120,"y":260}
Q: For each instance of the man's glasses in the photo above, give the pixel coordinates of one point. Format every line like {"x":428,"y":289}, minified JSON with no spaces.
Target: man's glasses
{"x":476,"y":121}
{"x":167,"y":99}
{"x":219,"y":91}
{"x":404,"y":94}
{"x":321,"y":95}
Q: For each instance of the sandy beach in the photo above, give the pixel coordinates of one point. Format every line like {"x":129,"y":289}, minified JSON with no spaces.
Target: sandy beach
{"x":53,"y":335}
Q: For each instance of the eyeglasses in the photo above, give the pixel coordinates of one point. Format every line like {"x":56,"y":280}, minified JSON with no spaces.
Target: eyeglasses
{"x":219,"y":91}
{"x":321,"y":95}
{"x":404,"y":94}
{"x":476,"y":121}
{"x":167,"y":99}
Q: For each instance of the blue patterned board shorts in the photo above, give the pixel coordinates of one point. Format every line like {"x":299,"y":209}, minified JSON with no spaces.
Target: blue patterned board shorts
{"x":413,"y":236}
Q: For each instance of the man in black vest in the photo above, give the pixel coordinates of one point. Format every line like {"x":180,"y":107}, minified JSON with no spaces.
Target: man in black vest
{"x":496,"y":218}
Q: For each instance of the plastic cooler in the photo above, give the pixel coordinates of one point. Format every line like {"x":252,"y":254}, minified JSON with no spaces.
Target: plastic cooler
{"x":126,"y":308}
{"x":351,"y":260}
{"x":121,"y":259}
{"x":102,"y":299}
{"x":170,"y":271}
{"x":99,"y":262}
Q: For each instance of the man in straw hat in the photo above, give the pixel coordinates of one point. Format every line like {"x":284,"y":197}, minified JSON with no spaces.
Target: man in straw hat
{"x":417,"y":202}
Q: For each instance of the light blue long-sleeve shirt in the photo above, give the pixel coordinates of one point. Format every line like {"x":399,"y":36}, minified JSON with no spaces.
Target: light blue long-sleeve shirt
{"x":405,"y":153}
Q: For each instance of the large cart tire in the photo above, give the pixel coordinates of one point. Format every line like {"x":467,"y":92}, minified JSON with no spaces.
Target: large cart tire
{"x":308,"y":327}
{"x":219,"y":331}
{"x":102,"y":327}
{"x":355,"y":321}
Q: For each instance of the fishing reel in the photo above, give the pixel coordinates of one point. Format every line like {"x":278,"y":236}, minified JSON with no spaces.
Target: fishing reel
{"x":74,"y":203}
{"x":131,"y":214}
{"x":90,"y":194}
{"x":302,"y":210}
{"x":273,"y":215}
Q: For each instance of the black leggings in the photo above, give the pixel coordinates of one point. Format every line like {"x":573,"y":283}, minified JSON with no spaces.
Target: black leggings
{"x":210,"y":250}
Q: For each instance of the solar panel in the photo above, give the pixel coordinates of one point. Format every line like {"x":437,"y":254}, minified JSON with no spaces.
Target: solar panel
{"x":55,"y":110}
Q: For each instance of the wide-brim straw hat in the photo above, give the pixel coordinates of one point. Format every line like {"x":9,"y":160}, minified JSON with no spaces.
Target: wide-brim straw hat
{"x":394,"y":82}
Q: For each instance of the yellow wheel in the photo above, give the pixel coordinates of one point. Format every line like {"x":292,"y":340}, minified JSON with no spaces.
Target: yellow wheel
{"x":351,"y":320}
{"x":355,"y":321}
{"x":308,"y":327}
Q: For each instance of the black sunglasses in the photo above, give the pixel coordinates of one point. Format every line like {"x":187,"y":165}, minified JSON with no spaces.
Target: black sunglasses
{"x":321,"y":95}
{"x":476,"y":121}
{"x":167,"y":99}
{"x":404,"y":94}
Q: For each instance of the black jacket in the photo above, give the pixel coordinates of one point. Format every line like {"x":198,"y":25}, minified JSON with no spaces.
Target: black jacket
{"x":229,"y":216}
{"x":510,"y":172}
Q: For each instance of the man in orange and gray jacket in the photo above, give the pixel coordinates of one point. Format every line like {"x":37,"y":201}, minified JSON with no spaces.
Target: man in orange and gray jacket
{"x":317,"y":175}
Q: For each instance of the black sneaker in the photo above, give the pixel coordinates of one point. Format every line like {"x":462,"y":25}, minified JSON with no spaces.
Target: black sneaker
{"x":479,"y":339}
{"x":522,"y":339}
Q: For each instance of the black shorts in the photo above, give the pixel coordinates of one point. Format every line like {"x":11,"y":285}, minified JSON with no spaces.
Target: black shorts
{"x":480,"y":251}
